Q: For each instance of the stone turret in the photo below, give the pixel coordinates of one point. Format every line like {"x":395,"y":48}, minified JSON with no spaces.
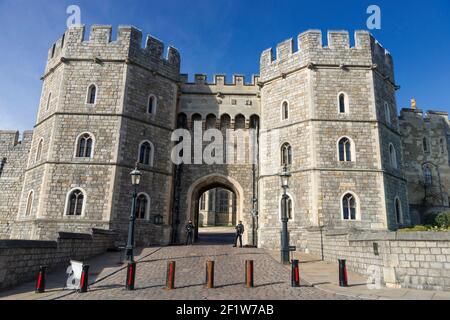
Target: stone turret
{"x":116,"y":116}
{"x":366,"y":52}
{"x":99,"y":46}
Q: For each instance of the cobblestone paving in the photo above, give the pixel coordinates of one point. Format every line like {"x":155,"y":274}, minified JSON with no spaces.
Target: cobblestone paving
{"x":272,"y":280}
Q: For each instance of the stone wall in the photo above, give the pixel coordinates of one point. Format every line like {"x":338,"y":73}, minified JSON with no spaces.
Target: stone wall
{"x":20,"y":259}
{"x":13,"y":158}
{"x":418,"y":260}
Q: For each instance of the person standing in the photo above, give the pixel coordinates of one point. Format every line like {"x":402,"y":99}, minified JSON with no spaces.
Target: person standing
{"x":239,"y":232}
{"x":190,"y":233}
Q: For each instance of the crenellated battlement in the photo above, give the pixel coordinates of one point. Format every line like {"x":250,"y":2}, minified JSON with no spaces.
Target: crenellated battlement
{"x":419,"y":116}
{"x":99,"y":46}
{"x":220,"y":86}
{"x":366,"y":51}
{"x":11,"y":138}
{"x":219,"y":80}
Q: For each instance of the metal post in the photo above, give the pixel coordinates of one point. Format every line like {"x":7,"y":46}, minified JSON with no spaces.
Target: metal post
{"x":295,"y":278}
{"x":284,"y":231}
{"x":343,"y":278}
{"x":130,"y":242}
{"x":40,"y":285}
{"x":131,"y":275}
{"x":249,"y":283}
{"x":170,"y":278}
{"x":84,"y":279}
{"x":210,"y":274}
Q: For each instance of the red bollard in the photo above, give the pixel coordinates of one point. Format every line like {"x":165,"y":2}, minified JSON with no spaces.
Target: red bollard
{"x":84,"y":281}
{"x":170,"y":279}
{"x":40,"y":285}
{"x":131,"y":275}
{"x":295,"y":278}
{"x":343,"y":278}
{"x":249,"y":274}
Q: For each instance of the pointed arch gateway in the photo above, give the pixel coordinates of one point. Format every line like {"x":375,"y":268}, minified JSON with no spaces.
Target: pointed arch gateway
{"x":204,"y":184}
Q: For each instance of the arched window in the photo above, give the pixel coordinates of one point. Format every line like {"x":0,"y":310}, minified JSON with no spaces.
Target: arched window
{"x":47,"y":106}
{"x":142,"y":207}
{"x":254,"y":122}
{"x":223,"y":201}
{"x":286,"y":154}
{"x":426,"y":147}
{"x":349,"y":207}
{"x":225,"y":121}
{"x":211,"y":121}
{"x":92,"y":94}
{"x":30,"y":199}
{"x":387,"y":113}
{"x":84,"y":146}
{"x":182,"y":121}
{"x":152,"y":104}
{"x":39,"y":150}
{"x":393,"y":156}
{"x":442,"y":146}
{"x":345,"y":150}
{"x":146,"y":153}
{"x":196,"y":118}
{"x":289,"y":207}
{"x":284,"y":110}
{"x":75,"y":203}
{"x":203,"y":202}
{"x":398,"y":211}
{"x":239,"y":122}
{"x":343,"y":104}
{"x":428,"y":176}
{"x":53,"y":50}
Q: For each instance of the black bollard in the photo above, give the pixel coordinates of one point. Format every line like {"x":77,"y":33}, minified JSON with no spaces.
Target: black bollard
{"x":84,"y":279}
{"x":343,"y":279}
{"x":295,"y":279}
{"x":40,"y":285}
{"x":131,"y":275}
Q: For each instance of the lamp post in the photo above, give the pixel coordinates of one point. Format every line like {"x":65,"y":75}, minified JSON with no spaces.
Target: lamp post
{"x":254,"y":222}
{"x":135,"y":180}
{"x":284,"y":176}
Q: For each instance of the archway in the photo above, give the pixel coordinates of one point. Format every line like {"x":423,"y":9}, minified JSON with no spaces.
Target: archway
{"x":210,"y":182}
{"x":217,"y":208}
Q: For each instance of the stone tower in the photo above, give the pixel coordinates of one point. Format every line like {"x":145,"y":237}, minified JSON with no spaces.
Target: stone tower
{"x":425,"y":139}
{"x":334,"y":107}
{"x":102,"y":99}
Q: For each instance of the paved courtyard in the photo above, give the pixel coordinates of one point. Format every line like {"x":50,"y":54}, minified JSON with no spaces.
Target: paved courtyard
{"x":272,"y":280}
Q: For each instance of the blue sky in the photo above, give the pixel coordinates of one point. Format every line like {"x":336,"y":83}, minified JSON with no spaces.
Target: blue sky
{"x":225,"y":36}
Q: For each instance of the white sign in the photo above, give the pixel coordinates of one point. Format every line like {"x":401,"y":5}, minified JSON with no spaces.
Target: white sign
{"x":74,"y":272}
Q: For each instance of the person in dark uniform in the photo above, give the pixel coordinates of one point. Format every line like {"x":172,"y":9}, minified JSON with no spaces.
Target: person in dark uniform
{"x":190,"y":233}
{"x":239,"y":233}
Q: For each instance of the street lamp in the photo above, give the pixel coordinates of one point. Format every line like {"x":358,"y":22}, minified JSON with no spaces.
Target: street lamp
{"x":284,"y":176}
{"x":135,"y":180}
